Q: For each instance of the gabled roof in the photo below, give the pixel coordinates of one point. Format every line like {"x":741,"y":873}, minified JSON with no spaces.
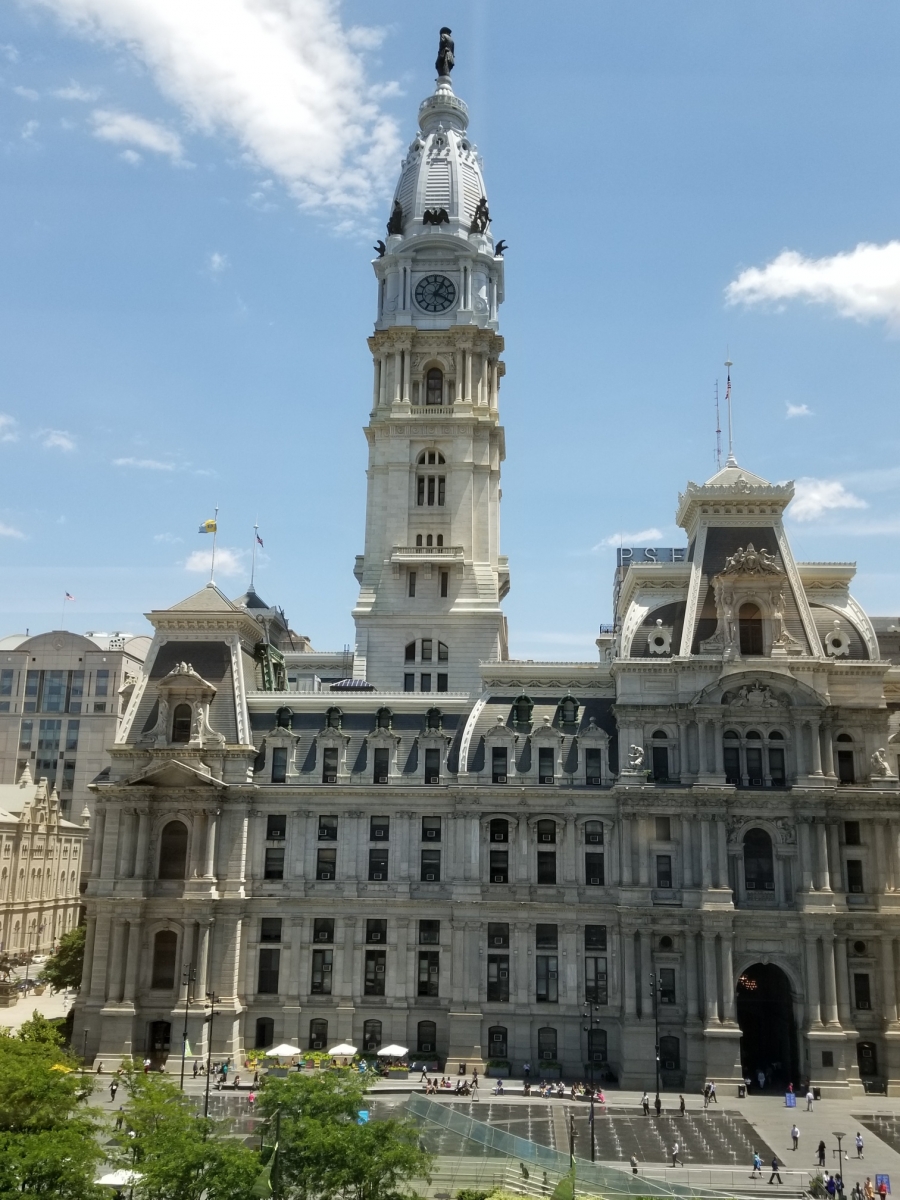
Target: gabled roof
{"x":208,"y":599}
{"x":172,"y":773}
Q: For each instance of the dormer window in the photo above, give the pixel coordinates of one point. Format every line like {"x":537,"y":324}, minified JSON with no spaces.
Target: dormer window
{"x":181,"y":723}
{"x":568,"y":710}
{"x":333,"y":718}
{"x":434,"y":386}
{"x":523,"y":707}
{"x":751,"y":629}
{"x":383,"y":719}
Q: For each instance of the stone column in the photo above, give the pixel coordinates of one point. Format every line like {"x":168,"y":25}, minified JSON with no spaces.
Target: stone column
{"x":131,"y":961}
{"x":100,"y":956}
{"x":569,"y":850}
{"x":626,"y":826}
{"x":812,"y":981}
{"x":687,"y":853}
{"x":114,"y":981}
{"x":126,"y":843}
{"x":99,"y":830}
{"x":718,"y":748}
{"x":804,"y":852}
{"x":830,"y":1007}
{"x":710,"y":982}
{"x":823,"y":878}
{"x":722,"y":853}
{"x":889,"y":981}
{"x":212,"y":823}
{"x":197,"y":830}
{"x":705,"y":853}
{"x":816,"y":747}
{"x":629,"y":972}
{"x":799,"y":755}
{"x":202,"y":984}
{"x":643,"y":851}
{"x":458,"y":968}
{"x":141,"y":865}
{"x":523,"y":846}
{"x":90,"y":931}
{"x":843,"y":983}
{"x":728,"y":1003}
{"x":690,"y":973}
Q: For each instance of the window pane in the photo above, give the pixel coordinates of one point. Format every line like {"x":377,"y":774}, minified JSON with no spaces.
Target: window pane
{"x":276,"y":827}
{"x":101,"y":686}
{"x":323,"y":929}
{"x":430,"y":933}
{"x":376,"y":929}
{"x":546,"y":866}
{"x":320,"y":981}
{"x":663,"y":870}
{"x":378,"y":864}
{"x":270,"y":929}
{"x":279,"y":764}
{"x":546,"y":937}
{"x":54,"y":696}
{"x":431,"y":866}
{"x":595,"y":937}
{"x":325,"y":864}
{"x":328,"y":829}
{"x":498,"y":933}
{"x":379,"y":829}
{"x":499,"y":866}
{"x":594,"y":870}
{"x":274,"y":868}
{"x":592,"y":766}
{"x":595,"y":985}
{"x":429,"y":972}
{"x":498,"y":978}
{"x":269,"y":962}
{"x":431,"y":829}
{"x":547,"y":991}
{"x":6,"y":681}
{"x":72,"y":730}
{"x":376,"y":968}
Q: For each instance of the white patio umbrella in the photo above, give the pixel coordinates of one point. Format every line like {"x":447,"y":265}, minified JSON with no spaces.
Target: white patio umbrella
{"x":119,"y":1178}
{"x":343,"y":1049}
{"x":394,"y":1051}
{"x":285,"y":1050}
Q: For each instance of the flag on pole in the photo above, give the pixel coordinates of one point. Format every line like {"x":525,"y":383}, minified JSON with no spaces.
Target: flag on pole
{"x":69,"y":596}
{"x":259,"y":539}
{"x":208,"y":526}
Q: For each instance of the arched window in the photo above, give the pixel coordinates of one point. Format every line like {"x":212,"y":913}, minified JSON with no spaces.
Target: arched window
{"x":497,"y":1041}
{"x":434,"y":719}
{"x":593,"y":833}
{"x":434,"y":386}
{"x":383,"y":720}
{"x":547,"y":1044}
{"x":568,"y":710}
{"x":426,"y":1037}
{"x":333,"y":718}
{"x":751,"y":629}
{"x":499,"y":830}
{"x":669,"y":1053}
{"x":418,"y":539}
{"x":759,"y":863}
{"x":318,"y":1034}
{"x":181,"y":723}
{"x":429,"y":541}
{"x":173,"y":851}
{"x":265,"y":1033}
{"x":846,"y":768}
{"x":371,"y":1036}
{"x":440,"y":539}
{"x":546,"y":832}
{"x":659,"y":756}
{"x":165,"y":947}
{"x":523,"y":707}
{"x":597,"y":1046}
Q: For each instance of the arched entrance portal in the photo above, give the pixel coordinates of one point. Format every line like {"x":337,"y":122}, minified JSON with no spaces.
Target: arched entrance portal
{"x":765,"y":1013}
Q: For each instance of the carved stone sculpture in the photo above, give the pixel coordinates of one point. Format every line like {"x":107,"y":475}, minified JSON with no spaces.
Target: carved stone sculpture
{"x":751,"y":562}
{"x":395,"y":220}
{"x":881,"y":768}
{"x":755,"y":695}
{"x":446,"y":57}
{"x":635,"y":758}
{"x":482,"y":217}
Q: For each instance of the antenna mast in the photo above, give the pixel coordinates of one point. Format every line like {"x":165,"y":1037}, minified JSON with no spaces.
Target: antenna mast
{"x":718,"y":432}
{"x":731,"y":461}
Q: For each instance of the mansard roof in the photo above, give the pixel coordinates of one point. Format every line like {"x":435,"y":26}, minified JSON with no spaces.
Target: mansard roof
{"x":208,"y":599}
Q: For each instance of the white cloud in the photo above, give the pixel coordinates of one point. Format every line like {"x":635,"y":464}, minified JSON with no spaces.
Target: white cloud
{"x":863,"y":283}
{"x":648,"y":536}
{"x":8,"y":428}
{"x":27,"y":93}
{"x":228,"y":562}
{"x":76,"y":92}
{"x":29,"y":129}
{"x":144,"y":464}
{"x":167,"y":537}
{"x":130,"y":129}
{"x":131,"y":156}
{"x":9,"y":52}
{"x":57,"y":439}
{"x":283,"y":78}
{"x":216,"y":263}
{"x":799,"y":410}
{"x":8,"y":531}
{"x":813,"y":497}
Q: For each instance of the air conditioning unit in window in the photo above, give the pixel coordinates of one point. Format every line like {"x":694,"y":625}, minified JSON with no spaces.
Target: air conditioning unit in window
{"x":669,"y":1064}
{"x":863,"y":1004}
{"x":594,"y":838}
{"x":546,"y":837}
{"x":379,"y":970}
{"x":595,"y":880}
{"x":427,"y":1047}
{"x":500,"y":779}
{"x":317,"y":1045}
{"x":547,"y":1056}
{"x":327,"y":968}
{"x":377,"y":875}
{"x":330,"y":778}
{"x":376,"y":937}
{"x":856,"y":887}
{"x":430,"y":833}
{"x":750,"y":885}
{"x":498,"y":941}
{"x":323,"y":937}
{"x":593,"y":780}
{"x":546,"y":779}
{"x":504,"y":974}
{"x":498,"y":837}
{"x":382,"y":778}
{"x":429,"y":878}
{"x":770,"y":887}
{"x":756,"y":783}
{"x":432,"y":779}
{"x":499,"y":879}
{"x":371,"y":1045}
{"x":325,"y":875}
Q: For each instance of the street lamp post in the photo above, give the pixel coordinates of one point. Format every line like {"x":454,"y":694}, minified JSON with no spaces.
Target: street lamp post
{"x":654,"y":992}
{"x":590,"y":1009}
{"x":187,"y":978}
{"x":213,"y":1000}
{"x":84,"y":1052}
{"x":840,"y":1137}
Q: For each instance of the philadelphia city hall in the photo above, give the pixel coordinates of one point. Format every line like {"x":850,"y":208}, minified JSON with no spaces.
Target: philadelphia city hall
{"x":425,"y":842}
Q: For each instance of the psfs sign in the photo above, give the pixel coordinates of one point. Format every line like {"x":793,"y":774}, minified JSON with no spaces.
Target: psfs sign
{"x":626,"y":555}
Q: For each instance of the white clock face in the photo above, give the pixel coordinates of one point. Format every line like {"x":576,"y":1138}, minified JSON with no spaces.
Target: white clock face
{"x":435,"y":293}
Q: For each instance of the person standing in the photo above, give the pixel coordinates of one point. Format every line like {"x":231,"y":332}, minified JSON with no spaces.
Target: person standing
{"x":868,"y":1190}
{"x":113,"y":1088}
{"x":882,"y":1188}
{"x":859,"y":1145}
{"x":712,"y":1092}
{"x":809,"y":1099}
{"x":820,"y":1150}
{"x":830,"y":1185}
{"x":657,"y":1104}
{"x":645,"y":1104}
{"x":839,"y":1186}
{"x":681,"y":1105}
{"x":795,"y":1136}
{"x":776,"y":1174}
{"x":761,"y":1078}
{"x":634,"y":1164}
{"x":526,"y":1069}
{"x":675,"y":1158}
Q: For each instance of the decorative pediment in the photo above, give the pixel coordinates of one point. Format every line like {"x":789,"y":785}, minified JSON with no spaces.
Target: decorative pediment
{"x":500,"y":732}
{"x":183,"y":678}
{"x":751,"y":562}
{"x":546,"y":733}
{"x":754,"y":696}
{"x":175,"y":774}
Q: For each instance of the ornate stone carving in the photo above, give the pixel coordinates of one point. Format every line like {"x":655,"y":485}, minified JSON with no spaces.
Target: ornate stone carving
{"x":751,"y":562}
{"x":635,"y":758}
{"x":755,"y":695}
{"x":881,"y":768}
{"x":837,"y":643}
{"x":660,"y":638}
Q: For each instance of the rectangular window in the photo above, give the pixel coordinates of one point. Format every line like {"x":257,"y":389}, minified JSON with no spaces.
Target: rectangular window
{"x":667,"y":985}
{"x":660,"y":761}
{"x":328,"y":827}
{"x":376,"y":967}
{"x":546,"y":937}
{"x":498,"y":934}
{"x":76,"y":691}
{"x":596,"y":990}
{"x":326,"y":861}
{"x":431,"y":866}
{"x":420,"y":490}
{"x":498,"y":978}
{"x":430,"y":490}
{"x":320,"y":983}
{"x":663,"y":829}
{"x":443,"y":680}
{"x":426,"y":649}
{"x":4,"y":706}
{"x":595,"y":937}
{"x":445,"y":583}
{"x":99,"y":706}
{"x":592,"y":768}
{"x":425,"y":684}
{"x":72,"y":730}
{"x":6,"y":681}
{"x":855,"y":875}
{"x":279,"y":764}
{"x":499,"y":866}
{"x":68,"y":777}
{"x":378,"y":864}
{"x":411,"y":579}
{"x":54,"y":692}
{"x":32,"y":691}
{"x":429,"y":972}
{"x":862,"y":995}
{"x":432,"y":766}
{"x":664,"y":870}
{"x":593,"y":870}
{"x":546,"y":866}
{"x":276,"y":828}
{"x":329,"y":764}
{"x":499,"y":764}
{"x":270,"y":929}
{"x":430,"y":933}
{"x":376,"y":930}
{"x":545,"y":764}
{"x":323,"y":929}
{"x":852,"y":834}
{"x":442,"y":490}
{"x":269,"y":963}
{"x":754,"y":766}
{"x":846,"y":773}
{"x":431,"y":829}
{"x":379,"y":829}
{"x":49,"y":733}
{"x":101,"y":684}
{"x":382,"y":764}
{"x":274,"y":863}
{"x":443,"y":652}
{"x":409,"y":654}
{"x":776,"y":767}
{"x":26,"y":732}
{"x":732,"y":761}
{"x":409,"y":682}
{"x":547,"y":984}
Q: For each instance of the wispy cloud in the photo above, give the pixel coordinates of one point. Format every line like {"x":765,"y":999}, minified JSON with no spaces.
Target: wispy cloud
{"x":128,"y":129}
{"x":286,"y":81}
{"x":9,"y":52}
{"x":26,"y":93}
{"x":29,"y":129}
{"x":10,"y":532}
{"x":144,"y":464}
{"x":228,"y":562}
{"x":57,"y":439}
{"x":167,"y":537}
{"x":217,"y":262}
{"x":799,"y":410}
{"x":8,"y":430}
{"x":813,"y":497}
{"x":75,"y":91}
{"x":863,"y":283}
{"x":640,"y":538}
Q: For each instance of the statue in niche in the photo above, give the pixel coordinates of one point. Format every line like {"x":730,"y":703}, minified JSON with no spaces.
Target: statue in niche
{"x":881,"y":768}
{"x":395,"y":220}
{"x":635,"y":758}
{"x":482,"y":217}
{"x":446,"y":57}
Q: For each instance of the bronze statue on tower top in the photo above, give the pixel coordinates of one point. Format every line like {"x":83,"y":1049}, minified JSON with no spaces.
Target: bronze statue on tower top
{"x":446,"y":57}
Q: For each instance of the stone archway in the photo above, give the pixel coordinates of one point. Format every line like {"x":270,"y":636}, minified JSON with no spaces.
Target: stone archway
{"x":765,"y":1014}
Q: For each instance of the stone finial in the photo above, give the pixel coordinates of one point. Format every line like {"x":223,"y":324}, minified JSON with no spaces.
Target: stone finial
{"x":26,"y":779}
{"x":85,"y":816}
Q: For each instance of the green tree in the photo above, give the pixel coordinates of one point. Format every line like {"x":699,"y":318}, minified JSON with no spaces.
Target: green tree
{"x":40,"y":1029}
{"x":324,"y":1150}
{"x":178,"y":1155}
{"x":64,"y":968}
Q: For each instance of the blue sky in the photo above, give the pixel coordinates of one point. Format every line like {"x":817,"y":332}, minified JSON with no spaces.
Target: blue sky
{"x":189,"y":196}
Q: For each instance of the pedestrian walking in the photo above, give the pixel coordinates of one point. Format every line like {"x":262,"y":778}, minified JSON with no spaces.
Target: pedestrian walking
{"x":657,"y":1104}
{"x":120,"y":1120}
{"x":868,"y":1190}
{"x":882,"y":1188}
{"x":856,"y":1192}
{"x":681,"y":1105}
{"x":839,"y":1186}
{"x":859,"y":1145}
{"x":196,"y":1068}
{"x":706,"y":1096}
{"x":776,"y":1174}
{"x":113,"y":1088}
{"x":712,"y":1092}
{"x":675,"y":1158}
{"x":634,"y":1164}
{"x":820,"y":1150}
{"x":795,"y":1136}
{"x":809,"y":1099}
{"x":251,"y":1100}
{"x":645,"y":1104}
{"x":761,"y":1078}
{"x":830,"y":1185}
{"x":756,"y":1173}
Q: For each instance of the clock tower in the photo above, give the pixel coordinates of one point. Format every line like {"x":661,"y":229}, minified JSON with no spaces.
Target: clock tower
{"x":432,"y":576}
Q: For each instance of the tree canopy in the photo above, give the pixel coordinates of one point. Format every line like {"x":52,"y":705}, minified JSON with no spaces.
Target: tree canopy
{"x":64,"y":968}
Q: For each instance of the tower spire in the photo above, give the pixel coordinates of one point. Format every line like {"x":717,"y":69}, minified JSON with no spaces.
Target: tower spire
{"x":731,"y":461}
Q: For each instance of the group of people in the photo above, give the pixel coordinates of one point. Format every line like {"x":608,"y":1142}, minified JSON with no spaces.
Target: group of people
{"x":682,"y":1107}
{"x":445,"y":1084}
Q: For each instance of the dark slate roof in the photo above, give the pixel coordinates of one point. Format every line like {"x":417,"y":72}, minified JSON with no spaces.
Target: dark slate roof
{"x":212,"y":660}
{"x":669,"y":614}
{"x":825,"y":619}
{"x":251,"y":599}
{"x":352,"y":685}
{"x":598,"y":708}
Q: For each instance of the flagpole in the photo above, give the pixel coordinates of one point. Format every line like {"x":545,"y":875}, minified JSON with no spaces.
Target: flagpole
{"x":732,"y":461}
{"x":253,"y":559}
{"x":62,"y":615}
{"x":212,"y":565}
